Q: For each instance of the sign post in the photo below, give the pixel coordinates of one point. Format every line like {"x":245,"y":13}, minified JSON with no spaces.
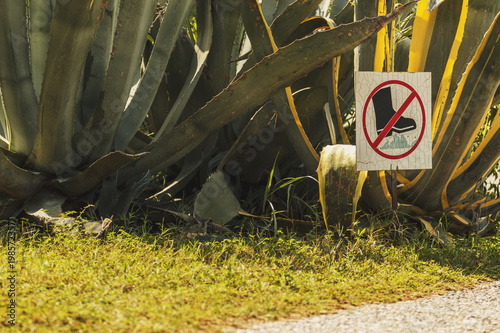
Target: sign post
{"x":393,"y":121}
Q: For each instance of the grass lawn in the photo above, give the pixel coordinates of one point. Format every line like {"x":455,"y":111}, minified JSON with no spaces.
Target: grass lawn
{"x":162,"y":283}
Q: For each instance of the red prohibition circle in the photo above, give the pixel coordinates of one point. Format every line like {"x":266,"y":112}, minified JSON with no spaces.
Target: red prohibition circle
{"x":370,"y":142}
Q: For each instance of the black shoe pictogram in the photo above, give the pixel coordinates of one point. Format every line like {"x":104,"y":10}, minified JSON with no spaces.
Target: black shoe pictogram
{"x":382,"y":102}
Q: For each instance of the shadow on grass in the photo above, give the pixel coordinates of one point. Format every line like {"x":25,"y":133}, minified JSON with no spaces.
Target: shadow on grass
{"x":469,"y":255}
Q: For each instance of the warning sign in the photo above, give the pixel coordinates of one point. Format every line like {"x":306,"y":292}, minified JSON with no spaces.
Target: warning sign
{"x":393,"y":113}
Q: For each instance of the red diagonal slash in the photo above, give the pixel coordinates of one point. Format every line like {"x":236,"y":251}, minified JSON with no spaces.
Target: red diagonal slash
{"x":395,"y":118}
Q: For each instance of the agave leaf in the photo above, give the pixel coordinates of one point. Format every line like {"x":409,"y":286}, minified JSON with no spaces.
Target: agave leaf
{"x":22,"y":57}
{"x":226,"y":21}
{"x":490,"y":207}
{"x":108,"y":196}
{"x":346,"y":82}
{"x":478,"y":166}
{"x":257,"y":28}
{"x":176,"y":74}
{"x":285,"y":24}
{"x":376,"y":194}
{"x":17,"y":93}
{"x":280,"y":8}
{"x":189,"y":169}
{"x":46,"y":203}
{"x":383,"y":45}
{"x":73,"y":29}
{"x":309,"y":103}
{"x":216,"y":201}
{"x":331,"y":124}
{"x":484,"y":225}
{"x":335,"y":126}
{"x":113,"y":202}
{"x":139,"y":143}
{"x":496,"y":99}
{"x":459,"y":222}
{"x":97,"y":63}
{"x":191,"y":164}
{"x":471,"y":103}
{"x":134,"y":21}
{"x":259,"y":120}
{"x":342,"y":9}
{"x":269,"y":8}
{"x":323,"y":8}
{"x":278,"y":70}
{"x":4,"y":128}
{"x":126,"y":197}
{"x":433,"y":4}
{"x":10,"y":208}
{"x":307,"y":27}
{"x":89,"y":179}
{"x":139,"y":106}
{"x":364,"y":52}
{"x":41,"y":14}
{"x":405,"y":209}
{"x":452,"y":17}
{"x":161,"y":105}
{"x":435,"y":229}
{"x":420,"y":42}
{"x":202,"y":93}
{"x":344,"y":16}
{"x":363,"y":175}
{"x":204,"y":41}
{"x":315,"y":78}
{"x":17,"y":182}
{"x":333,"y":100}
{"x":402,"y":55}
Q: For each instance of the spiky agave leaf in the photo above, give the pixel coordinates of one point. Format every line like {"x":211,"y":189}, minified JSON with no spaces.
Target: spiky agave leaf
{"x":17,"y":96}
{"x":73,"y":29}
{"x":278,"y":70}
{"x":141,"y":102}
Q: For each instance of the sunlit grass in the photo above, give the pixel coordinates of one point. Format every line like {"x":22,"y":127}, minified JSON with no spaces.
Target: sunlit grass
{"x":147,"y":283}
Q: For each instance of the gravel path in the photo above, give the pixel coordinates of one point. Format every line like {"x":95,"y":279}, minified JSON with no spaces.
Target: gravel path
{"x":473,"y":310}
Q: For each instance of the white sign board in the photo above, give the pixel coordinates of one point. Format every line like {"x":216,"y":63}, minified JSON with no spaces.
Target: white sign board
{"x":393,"y":121}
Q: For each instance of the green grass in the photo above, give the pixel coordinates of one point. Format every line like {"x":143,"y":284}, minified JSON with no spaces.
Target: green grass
{"x":146,"y":283}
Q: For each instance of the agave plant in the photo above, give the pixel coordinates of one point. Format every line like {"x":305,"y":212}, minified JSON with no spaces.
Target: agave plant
{"x":114,"y":92}
{"x":99,"y":95}
{"x":457,"y":41}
